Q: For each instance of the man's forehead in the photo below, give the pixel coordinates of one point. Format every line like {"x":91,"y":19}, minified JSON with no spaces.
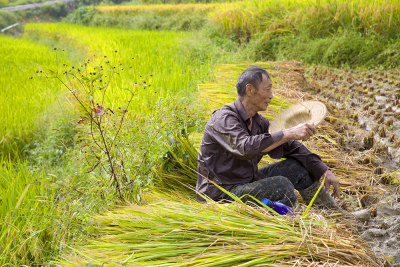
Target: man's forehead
{"x":266,"y":80}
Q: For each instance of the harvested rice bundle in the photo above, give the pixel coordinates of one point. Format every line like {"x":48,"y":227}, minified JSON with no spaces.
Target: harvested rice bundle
{"x":171,"y":233}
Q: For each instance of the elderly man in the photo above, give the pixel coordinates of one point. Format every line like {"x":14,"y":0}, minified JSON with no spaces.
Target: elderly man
{"x":235,"y":139}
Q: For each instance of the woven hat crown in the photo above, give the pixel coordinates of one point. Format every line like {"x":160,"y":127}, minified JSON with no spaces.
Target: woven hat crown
{"x":305,"y":112}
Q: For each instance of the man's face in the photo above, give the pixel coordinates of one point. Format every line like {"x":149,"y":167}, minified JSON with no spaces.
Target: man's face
{"x":263,"y":95}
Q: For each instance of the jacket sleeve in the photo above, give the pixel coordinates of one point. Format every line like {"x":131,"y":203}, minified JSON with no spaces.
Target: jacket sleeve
{"x":294,"y":149}
{"x":229,"y":133}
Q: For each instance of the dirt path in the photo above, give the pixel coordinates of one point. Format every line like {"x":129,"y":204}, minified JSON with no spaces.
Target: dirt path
{"x":36,"y":5}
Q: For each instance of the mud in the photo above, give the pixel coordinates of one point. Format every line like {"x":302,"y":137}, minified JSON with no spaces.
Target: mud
{"x":381,"y":226}
{"x":373,"y":98}
{"x":364,"y":108}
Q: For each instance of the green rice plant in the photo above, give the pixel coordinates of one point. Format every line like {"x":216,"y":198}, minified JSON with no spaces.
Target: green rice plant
{"x":160,"y":58}
{"x":180,"y":232}
{"x":29,"y":224}
{"x":24,"y":101}
{"x":314,"y":17}
{"x":178,"y":171}
{"x":169,"y":70}
{"x":161,"y":8}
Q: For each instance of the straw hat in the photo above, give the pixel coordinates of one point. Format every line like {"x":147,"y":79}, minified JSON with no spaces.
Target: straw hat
{"x":304,"y":112}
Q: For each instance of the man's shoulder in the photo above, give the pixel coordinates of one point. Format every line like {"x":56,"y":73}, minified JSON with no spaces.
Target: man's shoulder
{"x":225,"y":111}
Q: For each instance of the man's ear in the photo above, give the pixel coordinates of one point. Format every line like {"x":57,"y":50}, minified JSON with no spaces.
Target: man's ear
{"x":249,"y":89}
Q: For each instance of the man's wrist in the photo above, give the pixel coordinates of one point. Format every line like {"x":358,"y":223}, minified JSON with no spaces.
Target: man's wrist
{"x":288,"y":135}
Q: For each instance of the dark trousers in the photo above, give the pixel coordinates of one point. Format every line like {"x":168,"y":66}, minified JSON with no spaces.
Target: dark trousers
{"x":280,"y":180}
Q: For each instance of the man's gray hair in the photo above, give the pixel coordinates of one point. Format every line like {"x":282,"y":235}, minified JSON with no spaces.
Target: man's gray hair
{"x":251,"y":75}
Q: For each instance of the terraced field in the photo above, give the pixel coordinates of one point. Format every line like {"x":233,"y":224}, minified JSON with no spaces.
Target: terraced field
{"x":53,"y":184}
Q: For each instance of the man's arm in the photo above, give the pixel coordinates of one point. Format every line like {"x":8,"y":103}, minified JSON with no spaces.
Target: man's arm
{"x":227,"y":131}
{"x":300,"y":132}
{"x":304,"y":132}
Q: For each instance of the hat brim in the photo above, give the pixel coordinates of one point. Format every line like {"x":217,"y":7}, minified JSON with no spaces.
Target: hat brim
{"x":305,"y":112}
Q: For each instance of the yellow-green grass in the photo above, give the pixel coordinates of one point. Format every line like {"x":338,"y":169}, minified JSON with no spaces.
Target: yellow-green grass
{"x":316,"y":17}
{"x":23,"y":101}
{"x":29,"y":221}
{"x":159,"y":58}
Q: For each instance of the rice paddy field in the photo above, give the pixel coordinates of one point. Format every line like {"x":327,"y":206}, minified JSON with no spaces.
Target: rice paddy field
{"x":59,"y":204}
{"x":19,"y":89}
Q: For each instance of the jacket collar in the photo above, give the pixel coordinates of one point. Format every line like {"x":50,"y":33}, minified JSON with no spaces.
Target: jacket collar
{"x":242,"y":112}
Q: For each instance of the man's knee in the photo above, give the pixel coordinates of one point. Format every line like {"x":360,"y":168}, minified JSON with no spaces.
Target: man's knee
{"x":294,"y":164}
{"x":279,"y":188}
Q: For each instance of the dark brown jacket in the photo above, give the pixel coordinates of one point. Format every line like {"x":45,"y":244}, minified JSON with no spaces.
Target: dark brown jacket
{"x":229,"y":151}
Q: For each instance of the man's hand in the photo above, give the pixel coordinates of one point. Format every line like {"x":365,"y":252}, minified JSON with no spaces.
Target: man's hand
{"x":330,"y":179}
{"x":302,"y":131}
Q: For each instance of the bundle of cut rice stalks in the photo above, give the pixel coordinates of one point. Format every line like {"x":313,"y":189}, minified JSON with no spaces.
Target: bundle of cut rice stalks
{"x":180,"y":233}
